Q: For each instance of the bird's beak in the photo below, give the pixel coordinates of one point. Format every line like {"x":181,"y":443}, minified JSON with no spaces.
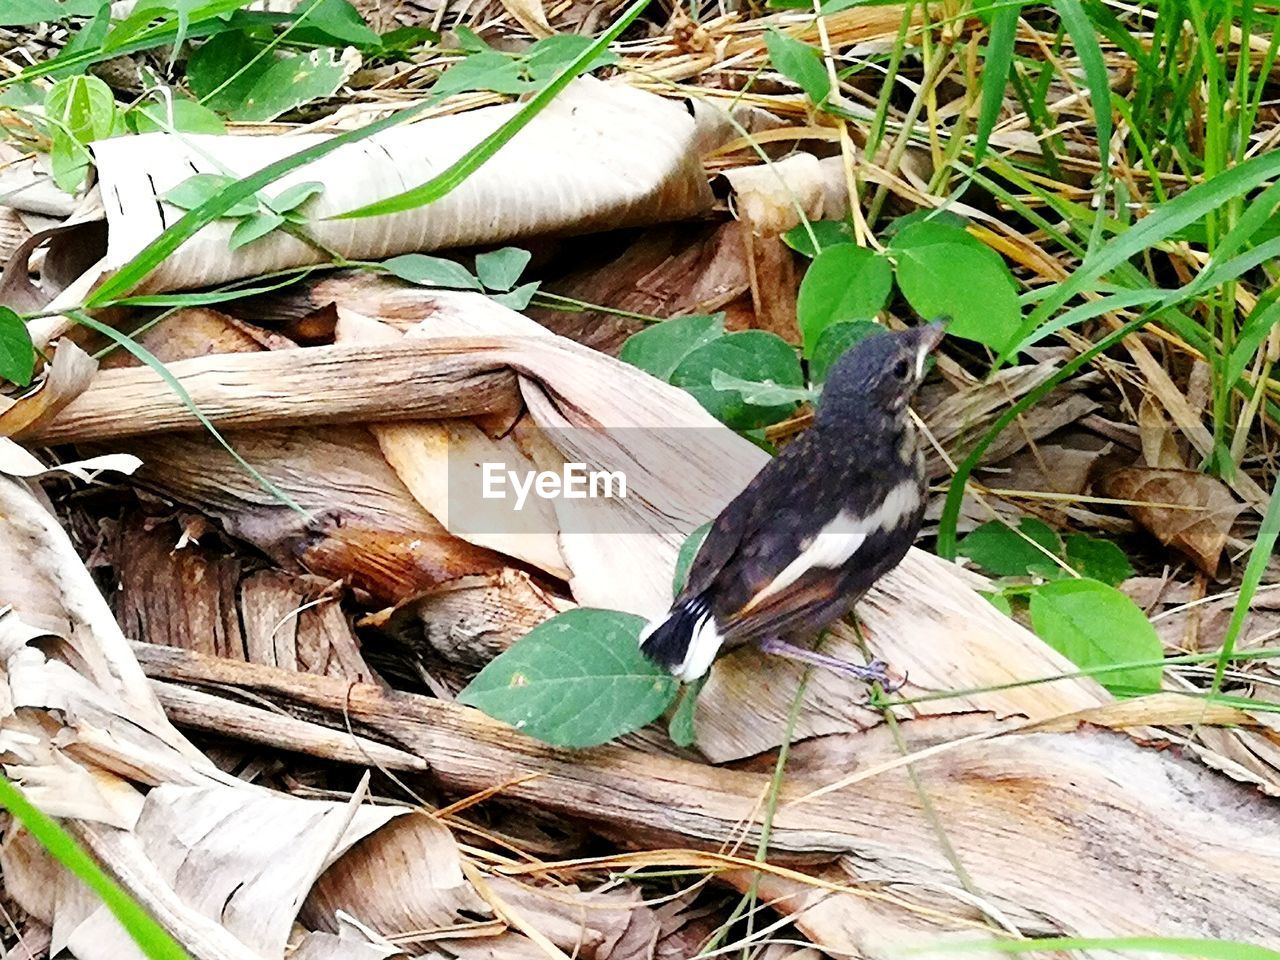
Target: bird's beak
{"x":931,"y":335}
{"x":928,"y":337}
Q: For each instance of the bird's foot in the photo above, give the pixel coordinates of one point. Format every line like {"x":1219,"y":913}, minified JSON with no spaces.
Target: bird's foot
{"x":874,"y":672}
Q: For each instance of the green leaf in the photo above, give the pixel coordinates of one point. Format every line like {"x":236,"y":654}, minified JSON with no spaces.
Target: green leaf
{"x":17,"y":355}
{"x":174,"y":113}
{"x":1094,"y":625}
{"x":684,"y":559}
{"x":1098,"y":559}
{"x":681,"y":728}
{"x":292,"y":80}
{"x":84,"y":107}
{"x":766,"y":394}
{"x":518,"y":298}
{"x":500,"y":269}
{"x":552,"y":54}
{"x":833,"y":343}
{"x":69,"y":162}
{"x":1007,"y":553}
{"x":659,"y":349}
{"x":334,"y":20}
{"x":752,"y":355}
{"x":253,"y":227}
{"x":828,"y":233}
{"x":946,"y":273}
{"x":293,"y":197}
{"x":223,"y":69}
{"x":1000,"y":602}
{"x":489,"y":70}
{"x":21,"y":13}
{"x":576,"y":680}
{"x":844,"y":282}
{"x":799,"y":62}
{"x":431,"y":271}
{"x":203,"y":187}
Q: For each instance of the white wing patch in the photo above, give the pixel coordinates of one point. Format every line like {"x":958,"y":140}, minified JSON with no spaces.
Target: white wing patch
{"x":842,"y":537}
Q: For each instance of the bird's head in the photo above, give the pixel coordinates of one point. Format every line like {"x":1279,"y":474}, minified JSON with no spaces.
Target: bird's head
{"x":878,"y":376}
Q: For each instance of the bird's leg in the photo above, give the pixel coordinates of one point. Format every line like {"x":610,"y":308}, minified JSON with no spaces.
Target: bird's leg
{"x":874,"y":672}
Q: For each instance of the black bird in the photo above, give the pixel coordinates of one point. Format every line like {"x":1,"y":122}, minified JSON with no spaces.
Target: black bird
{"x":822,"y":522}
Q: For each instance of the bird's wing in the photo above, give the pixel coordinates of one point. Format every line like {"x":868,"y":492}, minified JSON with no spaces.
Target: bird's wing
{"x":760,"y":545}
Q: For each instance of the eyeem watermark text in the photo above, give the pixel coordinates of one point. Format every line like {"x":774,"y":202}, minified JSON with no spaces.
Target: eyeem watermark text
{"x":575,"y":481}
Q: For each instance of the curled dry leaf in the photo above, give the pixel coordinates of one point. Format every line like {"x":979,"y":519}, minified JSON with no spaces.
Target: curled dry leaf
{"x":1184,"y":509}
{"x":602,"y":155}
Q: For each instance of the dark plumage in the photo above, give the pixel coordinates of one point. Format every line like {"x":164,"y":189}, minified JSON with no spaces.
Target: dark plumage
{"x":822,"y":522}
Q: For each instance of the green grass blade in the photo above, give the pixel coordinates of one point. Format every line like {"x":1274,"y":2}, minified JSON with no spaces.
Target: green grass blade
{"x":473,"y":159}
{"x":995,"y":74}
{"x":1178,"y":213}
{"x":152,"y":361}
{"x":150,"y":937}
{"x":1259,"y":556}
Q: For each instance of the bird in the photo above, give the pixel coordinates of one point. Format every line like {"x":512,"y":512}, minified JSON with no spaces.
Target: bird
{"x":835,"y":511}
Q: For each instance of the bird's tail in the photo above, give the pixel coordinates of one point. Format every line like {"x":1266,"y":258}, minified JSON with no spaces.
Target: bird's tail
{"x":686,"y":641}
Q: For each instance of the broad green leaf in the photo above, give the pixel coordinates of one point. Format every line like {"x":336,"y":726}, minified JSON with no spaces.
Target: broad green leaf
{"x":1000,"y":602}
{"x":21,"y":13}
{"x":681,"y":728}
{"x":552,"y":54}
{"x":253,"y":227}
{"x":334,"y":20}
{"x":1097,"y":559}
{"x":659,"y":349}
{"x":223,"y":69}
{"x":688,"y":553}
{"x":17,"y":355}
{"x":69,"y":162}
{"x":752,"y":355}
{"x":488,"y":70}
{"x":431,"y":271}
{"x":1094,"y":625}
{"x":833,"y":343}
{"x":1006,"y":552}
{"x":800,"y":62}
{"x":844,"y":282}
{"x":84,"y":107}
{"x":954,"y":279}
{"x":762,"y":394}
{"x":404,"y":40}
{"x":293,"y":197}
{"x":576,"y":680}
{"x":518,"y":298}
{"x":174,"y":113}
{"x":827,"y":232}
{"x":500,"y":269}
{"x":203,"y":187}
{"x":292,"y":80}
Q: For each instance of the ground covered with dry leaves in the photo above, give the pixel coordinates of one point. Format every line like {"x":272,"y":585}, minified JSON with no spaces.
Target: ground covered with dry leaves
{"x":263,"y":662}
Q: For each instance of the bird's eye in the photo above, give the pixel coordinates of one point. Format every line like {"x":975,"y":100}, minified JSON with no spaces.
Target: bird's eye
{"x":901,"y":369}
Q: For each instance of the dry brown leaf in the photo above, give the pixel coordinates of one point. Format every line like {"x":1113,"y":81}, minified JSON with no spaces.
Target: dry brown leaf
{"x":1184,"y":509}
{"x":601,"y":155}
